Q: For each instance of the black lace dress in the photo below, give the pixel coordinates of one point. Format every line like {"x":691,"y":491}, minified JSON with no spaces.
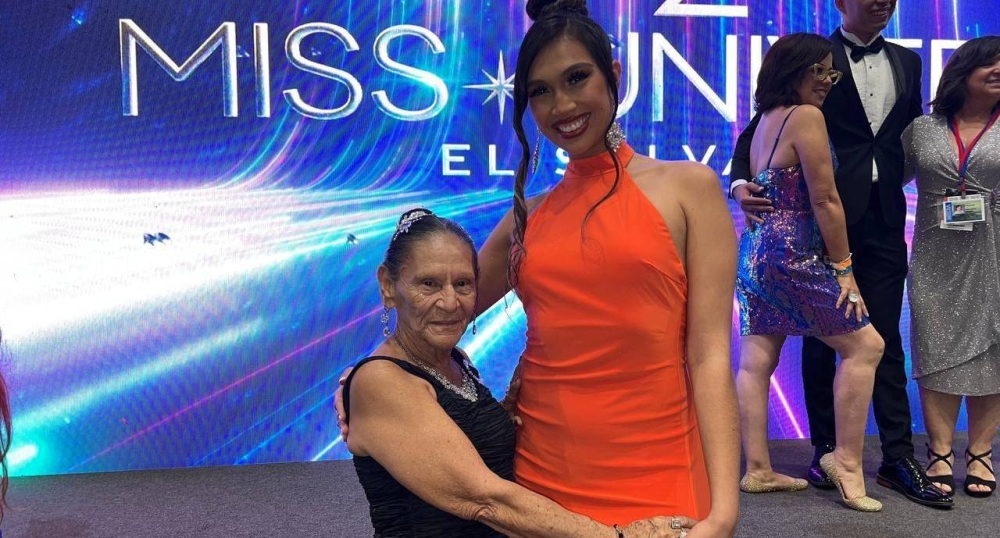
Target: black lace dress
{"x":398,"y":513}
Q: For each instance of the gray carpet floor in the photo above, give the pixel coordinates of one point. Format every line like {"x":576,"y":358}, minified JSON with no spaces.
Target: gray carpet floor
{"x":324,"y":499}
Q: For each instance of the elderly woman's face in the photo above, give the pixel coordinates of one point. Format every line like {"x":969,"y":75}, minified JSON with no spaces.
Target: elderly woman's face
{"x":436,"y":291}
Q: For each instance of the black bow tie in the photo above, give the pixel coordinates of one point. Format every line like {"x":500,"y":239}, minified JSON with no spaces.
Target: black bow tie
{"x":859,"y":51}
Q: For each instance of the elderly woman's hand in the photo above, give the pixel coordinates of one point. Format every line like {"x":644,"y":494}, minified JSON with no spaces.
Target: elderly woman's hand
{"x":660,"y":527}
{"x":338,"y":403}
{"x":509,"y":402}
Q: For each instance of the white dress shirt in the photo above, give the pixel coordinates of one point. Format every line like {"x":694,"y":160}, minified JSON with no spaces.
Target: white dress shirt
{"x":876,"y":85}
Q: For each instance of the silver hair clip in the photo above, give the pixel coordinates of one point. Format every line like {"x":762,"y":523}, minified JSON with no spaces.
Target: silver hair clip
{"x":407,"y":221}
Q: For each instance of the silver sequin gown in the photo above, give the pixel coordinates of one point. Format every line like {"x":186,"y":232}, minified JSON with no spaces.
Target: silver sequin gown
{"x":954,"y":280}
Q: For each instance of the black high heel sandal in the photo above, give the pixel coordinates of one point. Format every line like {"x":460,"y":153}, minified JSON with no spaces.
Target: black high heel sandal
{"x":946,"y":479}
{"x":971,"y":480}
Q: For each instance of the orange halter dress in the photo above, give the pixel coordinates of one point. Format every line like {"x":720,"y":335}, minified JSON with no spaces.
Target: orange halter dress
{"x":609,"y":425}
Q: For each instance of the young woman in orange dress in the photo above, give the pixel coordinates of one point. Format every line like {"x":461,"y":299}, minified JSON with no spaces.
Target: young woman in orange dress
{"x":626,"y":271}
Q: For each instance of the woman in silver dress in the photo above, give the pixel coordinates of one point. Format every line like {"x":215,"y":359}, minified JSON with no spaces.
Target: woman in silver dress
{"x":954,"y":155}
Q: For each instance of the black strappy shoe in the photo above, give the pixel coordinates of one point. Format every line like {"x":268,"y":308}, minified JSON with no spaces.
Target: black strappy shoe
{"x":946,"y":479}
{"x":971,"y":480}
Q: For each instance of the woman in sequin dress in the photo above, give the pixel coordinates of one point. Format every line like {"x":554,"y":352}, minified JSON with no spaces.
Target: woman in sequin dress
{"x":786,"y":284}
{"x":954,"y":282}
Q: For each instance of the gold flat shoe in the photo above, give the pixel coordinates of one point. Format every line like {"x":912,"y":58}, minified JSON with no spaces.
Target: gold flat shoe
{"x":750,"y":484}
{"x":861,"y":504}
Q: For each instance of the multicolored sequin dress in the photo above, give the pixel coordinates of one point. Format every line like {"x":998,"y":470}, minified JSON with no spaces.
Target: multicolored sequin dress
{"x":782,"y":283}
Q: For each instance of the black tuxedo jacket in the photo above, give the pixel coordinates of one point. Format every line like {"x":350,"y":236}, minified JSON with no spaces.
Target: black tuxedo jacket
{"x":853,"y":140}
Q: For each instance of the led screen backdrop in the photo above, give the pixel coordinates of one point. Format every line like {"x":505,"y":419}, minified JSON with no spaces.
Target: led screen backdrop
{"x":194,"y":196}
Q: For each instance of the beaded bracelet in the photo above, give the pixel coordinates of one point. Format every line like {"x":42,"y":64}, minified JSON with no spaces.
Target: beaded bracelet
{"x":843,"y":272}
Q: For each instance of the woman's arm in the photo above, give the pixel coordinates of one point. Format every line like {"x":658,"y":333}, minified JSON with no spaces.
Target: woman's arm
{"x":710,"y":247}
{"x":807,"y":131}
{"x":395,"y":419}
{"x":909,"y":150}
{"x":493,"y":256}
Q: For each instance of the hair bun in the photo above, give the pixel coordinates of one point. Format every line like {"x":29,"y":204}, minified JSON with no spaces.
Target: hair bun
{"x":538,"y":9}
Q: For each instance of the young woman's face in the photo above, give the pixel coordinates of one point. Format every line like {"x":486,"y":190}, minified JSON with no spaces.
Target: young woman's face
{"x":568,"y":98}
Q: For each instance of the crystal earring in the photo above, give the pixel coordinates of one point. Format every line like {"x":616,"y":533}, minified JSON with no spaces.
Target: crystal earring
{"x":385,"y":322}
{"x":615,"y":136}
{"x":473,"y":326}
{"x":535,"y":154}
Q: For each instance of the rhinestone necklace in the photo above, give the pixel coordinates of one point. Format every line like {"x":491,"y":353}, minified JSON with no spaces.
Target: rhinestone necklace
{"x":468,"y":388}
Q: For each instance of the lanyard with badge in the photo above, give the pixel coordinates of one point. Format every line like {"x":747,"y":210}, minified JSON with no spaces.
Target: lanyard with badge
{"x":962,"y":209}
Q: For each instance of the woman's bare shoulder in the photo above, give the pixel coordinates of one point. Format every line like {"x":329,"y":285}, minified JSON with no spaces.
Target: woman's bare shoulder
{"x":681,"y":175}
{"x":806,"y":116}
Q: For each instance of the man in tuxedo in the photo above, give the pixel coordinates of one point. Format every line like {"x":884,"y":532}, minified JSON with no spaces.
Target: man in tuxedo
{"x":865,"y":114}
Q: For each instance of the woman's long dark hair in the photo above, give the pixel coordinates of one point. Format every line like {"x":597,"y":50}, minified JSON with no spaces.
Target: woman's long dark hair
{"x":5,"y":430}
{"x":973,"y":54}
{"x":554,"y":19}
{"x":784,"y":66}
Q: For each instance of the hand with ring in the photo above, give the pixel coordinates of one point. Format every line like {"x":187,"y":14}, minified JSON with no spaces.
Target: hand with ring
{"x":338,"y":403}
{"x":660,"y":527}
{"x":851,"y":297}
{"x":509,"y":401}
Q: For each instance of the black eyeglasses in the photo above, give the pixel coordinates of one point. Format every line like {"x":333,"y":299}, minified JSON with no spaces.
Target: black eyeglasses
{"x":820,"y":71}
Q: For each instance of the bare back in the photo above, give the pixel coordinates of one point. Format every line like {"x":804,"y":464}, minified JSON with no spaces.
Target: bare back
{"x":784,"y":153}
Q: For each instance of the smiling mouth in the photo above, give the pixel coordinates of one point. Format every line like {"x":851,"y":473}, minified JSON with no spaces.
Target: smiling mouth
{"x":571,"y":128}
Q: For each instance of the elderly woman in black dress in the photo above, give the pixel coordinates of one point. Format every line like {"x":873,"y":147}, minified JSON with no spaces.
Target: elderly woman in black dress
{"x":432,"y":448}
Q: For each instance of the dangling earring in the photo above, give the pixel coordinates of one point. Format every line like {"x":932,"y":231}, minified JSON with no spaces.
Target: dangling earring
{"x":473,"y":326}
{"x":385,"y":322}
{"x":535,"y":154}
{"x":615,"y":136}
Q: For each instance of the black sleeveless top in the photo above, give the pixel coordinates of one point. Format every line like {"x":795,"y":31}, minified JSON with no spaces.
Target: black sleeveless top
{"x":397,"y":513}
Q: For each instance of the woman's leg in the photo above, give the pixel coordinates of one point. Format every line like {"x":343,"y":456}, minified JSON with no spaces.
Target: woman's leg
{"x":984,"y":418}
{"x":758,"y":359}
{"x":860,"y":353}
{"x":940,"y":417}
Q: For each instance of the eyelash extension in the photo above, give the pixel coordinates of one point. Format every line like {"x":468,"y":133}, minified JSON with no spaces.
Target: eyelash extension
{"x":578,"y":76}
{"x":574,"y":78}
{"x":536,"y":91}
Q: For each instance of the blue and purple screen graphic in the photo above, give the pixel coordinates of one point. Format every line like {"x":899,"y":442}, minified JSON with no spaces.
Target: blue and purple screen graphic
{"x":195,"y":196}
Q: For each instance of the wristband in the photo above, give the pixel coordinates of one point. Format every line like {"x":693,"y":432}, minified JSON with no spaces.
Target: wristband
{"x":843,"y":272}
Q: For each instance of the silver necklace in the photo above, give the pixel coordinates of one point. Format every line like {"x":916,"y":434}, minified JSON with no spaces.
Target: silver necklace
{"x":468,"y":388}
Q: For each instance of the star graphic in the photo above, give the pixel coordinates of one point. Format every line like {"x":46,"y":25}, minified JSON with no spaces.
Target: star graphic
{"x":500,"y":87}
